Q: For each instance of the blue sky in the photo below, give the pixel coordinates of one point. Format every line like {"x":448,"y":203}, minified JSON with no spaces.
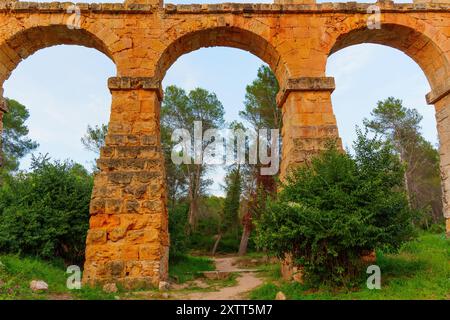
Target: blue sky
{"x":65,"y":89}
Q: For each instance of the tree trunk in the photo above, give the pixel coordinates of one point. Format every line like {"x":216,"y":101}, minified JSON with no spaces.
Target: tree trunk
{"x":216,"y":244}
{"x":244,"y":241}
{"x":192,"y":214}
{"x":405,"y":176}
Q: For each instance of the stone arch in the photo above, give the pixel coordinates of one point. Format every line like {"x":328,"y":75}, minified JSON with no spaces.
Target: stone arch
{"x":227,"y":36}
{"x":24,"y":43}
{"x":421,"y":42}
{"x":24,"y":40}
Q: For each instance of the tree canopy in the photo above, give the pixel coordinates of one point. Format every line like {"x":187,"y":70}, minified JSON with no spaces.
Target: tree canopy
{"x":15,"y":142}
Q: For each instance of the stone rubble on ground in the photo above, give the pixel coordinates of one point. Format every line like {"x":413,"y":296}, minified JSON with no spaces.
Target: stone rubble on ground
{"x":38,"y":285}
{"x":110,"y":288}
{"x":164,"y":285}
{"x":280,"y":296}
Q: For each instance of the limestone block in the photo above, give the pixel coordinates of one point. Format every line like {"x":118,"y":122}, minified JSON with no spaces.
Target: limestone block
{"x":158,"y":3}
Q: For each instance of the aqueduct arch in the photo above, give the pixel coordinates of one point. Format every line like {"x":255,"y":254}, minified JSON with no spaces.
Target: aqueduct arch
{"x":222,"y":36}
{"x":128,"y":240}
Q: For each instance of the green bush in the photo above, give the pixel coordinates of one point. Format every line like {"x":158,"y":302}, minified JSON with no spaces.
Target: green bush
{"x":178,"y":219}
{"x":333,"y":210}
{"x":45,"y":212}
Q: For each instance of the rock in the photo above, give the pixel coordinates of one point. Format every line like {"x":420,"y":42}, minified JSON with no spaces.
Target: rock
{"x":291,"y":271}
{"x":165,"y":296}
{"x":164,"y":285}
{"x":38,"y":285}
{"x":110,"y":288}
{"x":280,"y":296}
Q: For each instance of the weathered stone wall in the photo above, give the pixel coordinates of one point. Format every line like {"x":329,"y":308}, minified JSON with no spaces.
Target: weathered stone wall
{"x":128,"y":238}
{"x":443,"y":126}
{"x":308,"y":119}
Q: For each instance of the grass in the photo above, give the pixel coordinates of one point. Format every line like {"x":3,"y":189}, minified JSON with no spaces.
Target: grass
{"x":17,"y":272}
{"x":420,"y":270}
{"x":187,"y":268}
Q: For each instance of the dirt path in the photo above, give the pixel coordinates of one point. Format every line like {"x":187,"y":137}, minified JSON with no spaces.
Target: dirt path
{"x":246,"y":281}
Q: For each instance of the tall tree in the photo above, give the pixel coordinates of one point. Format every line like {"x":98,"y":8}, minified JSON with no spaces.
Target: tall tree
{"x":179,"y":111}
{"x":94,"y":139}
{"x":15,"y":142}
{"x":400,"y":126}
{"x":231,"y":204}
{"x":262,"y":112}
{"x":176,"y":177}
{"x":261,"y":109}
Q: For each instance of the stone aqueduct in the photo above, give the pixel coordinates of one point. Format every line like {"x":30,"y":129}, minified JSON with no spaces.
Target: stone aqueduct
{"x":128,"y":240}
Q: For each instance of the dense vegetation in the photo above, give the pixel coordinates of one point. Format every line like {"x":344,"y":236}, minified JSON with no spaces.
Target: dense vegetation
{"x":418,"y":271}
{"x":338,"y":208}
{"x":45,"y":212}
{"x":15,"y":143}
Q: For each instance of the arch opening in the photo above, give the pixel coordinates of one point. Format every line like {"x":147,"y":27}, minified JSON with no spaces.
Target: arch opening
{"x":232,"y":37}
{"x":418,"y":46}
{"x":366,"y":76}
{"x":60,"y":76}
{"x":225,"y":70}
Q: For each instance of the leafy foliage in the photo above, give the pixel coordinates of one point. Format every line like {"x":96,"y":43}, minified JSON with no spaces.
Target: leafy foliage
{"x":261,"y":109}
{"x":177,"y":226}
{"x":232,"y":200}
{"x":418,"y":271}
{"x":45,"y":212}
{"x":15,"y":143}
{"x":94,"y":139}
{"x":229,"y":217}
{"x":337,"y":208}
{"x":261,"y":112}
{"x":400,"y":127}
{"x":180,"y":110}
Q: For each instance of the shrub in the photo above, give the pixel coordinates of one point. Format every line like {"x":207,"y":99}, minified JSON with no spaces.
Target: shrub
{"x":45,"y":212}
{"x":336,"y":208}
{"x":178,"y":219}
